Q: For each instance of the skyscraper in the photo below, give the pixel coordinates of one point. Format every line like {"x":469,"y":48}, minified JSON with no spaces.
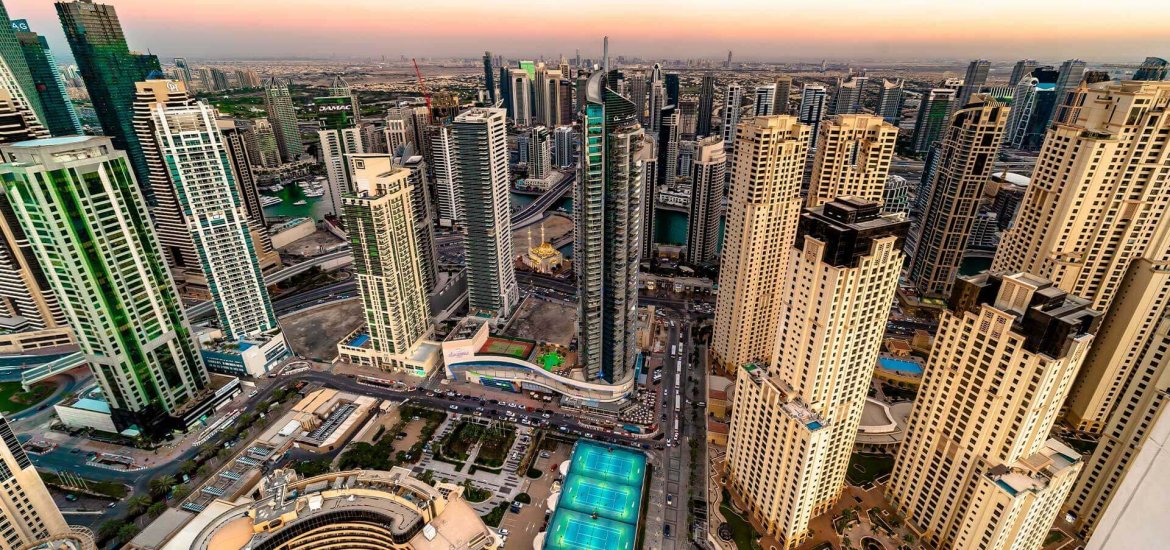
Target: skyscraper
{"x":934,"y":113}
{"x":28,"y":515}
{"x":667,"y":148}
{"x":489,"y":78}
{"x":26,"y":302}
{"x":217,"y":219}
{"x":974,"y":80}
{"x":783,"y":92}
{"x":1021,"y":69}
{"x":608,"y":238}
{"x":108,"y":273}
{"x":977,"y":468}
{"x":1023,"y":106}
{"x":59,"y":116}
{"x":813,"y":98}
{"x":764,"y":100}
{"x":539,"y":153}
{"x":480,"y":154}
{"x":237,"y":134}
{"x":657,"y":100}
{"x":1071,"y":73}
{"x":170,"y":220}
{"x":762,"y":215}
{"x":1153,"y":69}
{"x":381,"y":221}
{"x":707,"y":173}
{"x":267,"y":152}
{"x":1127,"y":376}
{"x":637,"y":89}
{"x":963,"y":167}
{"x":1094,"y":206}
{"x":889,"y":102}
{"x":794,"y":420}
{"x":563,"y":146}
{"x":340,"y":137}
{"x":447,"y":192}
{"x":424,"y":216}
{"x":20,"y":83}
{"x":706,"y":106}
{"x":852,"y":159}
{"x":283,"y":117}
{"x":547,"y":95}
{"x":847,"y":95}
{"x":732,"y":101}
{"x":520,"y":87}
{"x":110,"y":70}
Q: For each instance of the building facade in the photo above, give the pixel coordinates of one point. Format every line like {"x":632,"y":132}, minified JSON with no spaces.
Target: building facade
{"x":853,"y":159}
{"x":794,"y":422}
{"x":480,"y":154}
{"x":963,"y":168}
{"x":977,"y":468}
{"x":107,"y":271}
{"x":762,"y":215}
{"x":608,"y":237}
{"x":707,"y":175}
{"x":283,"y":117}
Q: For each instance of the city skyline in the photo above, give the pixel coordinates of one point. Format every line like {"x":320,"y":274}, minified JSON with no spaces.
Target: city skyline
{"x":316,"y":29}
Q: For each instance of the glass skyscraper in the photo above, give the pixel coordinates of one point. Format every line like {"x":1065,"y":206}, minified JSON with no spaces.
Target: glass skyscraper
{"x":609,"y":230}
{"x":59,"y":116}
{"x":13,"y":56}
{"x":86,"y":220}
{"x":109,"y":70}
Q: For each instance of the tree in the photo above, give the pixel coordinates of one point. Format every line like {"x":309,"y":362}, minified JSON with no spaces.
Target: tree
{"x":160,"y":485}
{"x":109,"y":529}
{"x":156,"y":509}
{"x":182,"y":491}
{"x":139,"y":503}
{"x":127,"y":532}
{"x":188,"y":467}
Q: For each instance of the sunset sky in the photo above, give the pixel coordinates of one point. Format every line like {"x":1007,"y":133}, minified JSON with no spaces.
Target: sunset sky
{"x":757,"y":30}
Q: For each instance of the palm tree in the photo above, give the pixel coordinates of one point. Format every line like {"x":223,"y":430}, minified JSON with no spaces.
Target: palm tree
{"x":160,"y":485}
{"x":138,"y":503}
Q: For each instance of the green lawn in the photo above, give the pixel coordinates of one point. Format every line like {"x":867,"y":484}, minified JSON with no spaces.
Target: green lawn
{"x":742,"y":532}
{"x":865,"y":468}
{"x":494,"y":447}
{"x":1054,"y":536}
{"x":14,"y":399}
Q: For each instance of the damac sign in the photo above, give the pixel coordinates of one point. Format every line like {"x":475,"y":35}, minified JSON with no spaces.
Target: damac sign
{"x":334,"y":108}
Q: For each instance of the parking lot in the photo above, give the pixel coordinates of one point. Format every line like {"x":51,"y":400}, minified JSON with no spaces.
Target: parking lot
{"x":523,"y":527}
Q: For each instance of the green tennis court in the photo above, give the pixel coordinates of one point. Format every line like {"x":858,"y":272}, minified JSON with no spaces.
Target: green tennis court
{"x":510,"y":348}
{"x":608,"y":500}
{"x":570,"y":530}
{"x":600,"y":500}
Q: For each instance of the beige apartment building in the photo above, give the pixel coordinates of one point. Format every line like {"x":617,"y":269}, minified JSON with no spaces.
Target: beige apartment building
{"x":977,"y":469}
{"x":762,"y":214}
{"x":968,"y":150}
{"x":27,"y":511}
{"x":1134,"y":337}
{"x":853,"y":158}
{"x":1098,"y":200}
{"x":388,"y":265}
{"x":794,"y":421}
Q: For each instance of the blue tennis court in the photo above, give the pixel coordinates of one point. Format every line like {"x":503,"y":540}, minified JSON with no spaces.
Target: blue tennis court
{"x":600,"y":500}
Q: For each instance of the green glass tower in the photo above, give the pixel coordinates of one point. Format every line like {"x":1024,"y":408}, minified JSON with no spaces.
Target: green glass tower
{"x":608,"y":244}
{"x":84,"y":216}
{"x":109,"y":70}
{"x":283,"y":117}
{"x":13,"y":56}
{"x":59,"y":116}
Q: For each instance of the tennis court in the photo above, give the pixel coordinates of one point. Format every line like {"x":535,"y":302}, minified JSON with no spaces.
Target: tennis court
{"x":613,"y":464}
{"x":509,"y":348}
{"x":600,"y":500}
{"x":571,"y":530}
{"x":608,"y":500}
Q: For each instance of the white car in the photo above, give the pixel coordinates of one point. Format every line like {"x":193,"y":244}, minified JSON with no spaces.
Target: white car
{"x":546,"y":415}
{"x":504,"y":532}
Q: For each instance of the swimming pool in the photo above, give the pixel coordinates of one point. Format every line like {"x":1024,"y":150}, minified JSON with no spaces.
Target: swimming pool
{"x":900,"y":366}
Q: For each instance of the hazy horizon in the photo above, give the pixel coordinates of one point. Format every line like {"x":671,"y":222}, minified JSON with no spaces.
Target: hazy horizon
{"x":908,"y":30}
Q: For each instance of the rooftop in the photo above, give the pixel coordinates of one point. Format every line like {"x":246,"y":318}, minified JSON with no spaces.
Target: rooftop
{"x":598,"y":508}
{"x":1034,"y":473}
{"x":792,"y":404}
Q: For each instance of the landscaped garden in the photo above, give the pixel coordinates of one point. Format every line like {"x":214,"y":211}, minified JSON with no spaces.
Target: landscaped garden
{"x":14,"y":399}
{"x":380,"y":455}
{"x":495,"y":444}
{"x":742,"y":532}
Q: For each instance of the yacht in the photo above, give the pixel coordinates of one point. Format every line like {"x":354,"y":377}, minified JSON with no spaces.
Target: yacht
{"x":266,"y":201}
{"x":300,"y":202}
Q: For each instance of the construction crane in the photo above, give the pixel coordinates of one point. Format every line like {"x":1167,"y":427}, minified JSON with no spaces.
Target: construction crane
{"x":422,"y":89}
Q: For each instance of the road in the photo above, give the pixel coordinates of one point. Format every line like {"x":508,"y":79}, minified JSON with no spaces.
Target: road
{"x":206,"y":308}
{"x":534,"y":212}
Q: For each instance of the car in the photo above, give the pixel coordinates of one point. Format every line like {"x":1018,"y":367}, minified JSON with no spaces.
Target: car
{"x":504,"y":532}
{"x":253,"y":393}
{"x":111,"y":505}
{"x":454,"y":407}
{"x":544,"y":454}
{"x":546,"y":415}
{"x":666,"y":530}
{"x":563,"y":428}
{"x":669,"y":499}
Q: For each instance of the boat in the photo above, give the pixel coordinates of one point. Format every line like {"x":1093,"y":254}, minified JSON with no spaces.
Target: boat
{"x":266,"y":201}
{"x":274,"y":188}
{"x":300,"y":203}
{"x":314,"y":191}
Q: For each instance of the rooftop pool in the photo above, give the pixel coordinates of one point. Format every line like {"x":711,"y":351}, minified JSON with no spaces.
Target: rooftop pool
{"x":900,"y":366}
